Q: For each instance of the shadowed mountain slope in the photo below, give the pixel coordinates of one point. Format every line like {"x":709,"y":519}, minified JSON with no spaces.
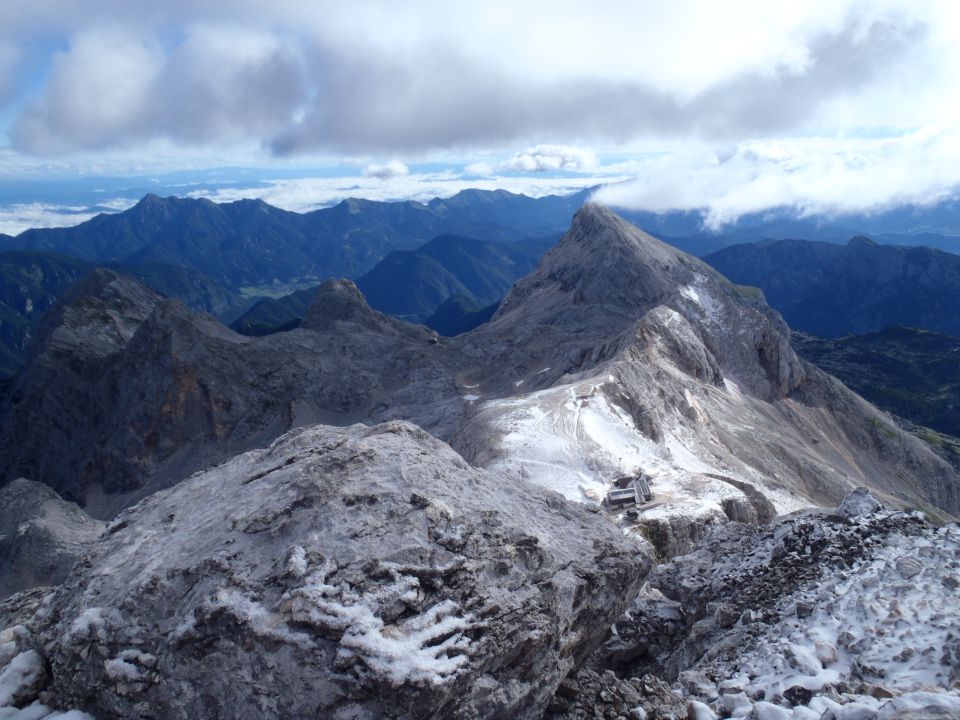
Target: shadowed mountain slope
{"x":834,"y":290}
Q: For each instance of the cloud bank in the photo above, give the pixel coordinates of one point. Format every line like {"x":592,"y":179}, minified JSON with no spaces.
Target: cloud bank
{"x":812,"y":176}
{"x":389,"y":78}
{"x":750,"y":103}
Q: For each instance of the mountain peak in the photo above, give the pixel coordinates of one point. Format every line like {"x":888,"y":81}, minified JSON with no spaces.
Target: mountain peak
{"x":110,"y":287}
{"x":604,"y":260}
{"x":151,"y":200}
{"x":593,"y":215}
{"x":338,"y":300}
{"x":861,"y":241}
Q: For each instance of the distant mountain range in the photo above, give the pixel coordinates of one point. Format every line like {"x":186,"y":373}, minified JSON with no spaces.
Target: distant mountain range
{"x":617,"y":351}
{"x":250,"y":244}
{"x":833,"y":290}
{"x":229,"y":258}
{"x":218,"y":257}
{"x":911,"y":372}
{"x":936,"y":225}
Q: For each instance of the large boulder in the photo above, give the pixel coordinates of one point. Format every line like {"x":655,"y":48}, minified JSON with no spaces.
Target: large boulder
{"x":343,"y":573}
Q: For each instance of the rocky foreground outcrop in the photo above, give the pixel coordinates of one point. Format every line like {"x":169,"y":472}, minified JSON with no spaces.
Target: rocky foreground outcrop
{"x":838,"y":614}
{"x":343,"y":573}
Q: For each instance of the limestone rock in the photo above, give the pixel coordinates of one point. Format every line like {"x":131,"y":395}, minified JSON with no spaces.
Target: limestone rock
{"x":358,"y":572}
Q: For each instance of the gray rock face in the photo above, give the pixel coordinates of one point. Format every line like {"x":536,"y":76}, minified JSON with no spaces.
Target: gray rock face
{"x":52,"y":413}
{"x":679,"y":534}
{"x":41,"y":536}
{"x":589,"y":695}
{"x":129,"y":392}
{"x":348,"y":573}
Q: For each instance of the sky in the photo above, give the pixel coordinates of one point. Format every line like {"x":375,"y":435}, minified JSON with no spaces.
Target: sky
{"x":734,"y":107}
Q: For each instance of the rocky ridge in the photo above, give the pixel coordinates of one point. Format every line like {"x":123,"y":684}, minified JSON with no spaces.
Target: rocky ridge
{"x":643,"y":359}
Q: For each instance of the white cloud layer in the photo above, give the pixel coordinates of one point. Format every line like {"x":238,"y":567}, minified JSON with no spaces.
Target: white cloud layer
{"x":813,"y":176}
{"x":411,"y":77}
{"x":756,"y":101}
{"x":305,"y":194}
{"x":552,"y":158}
{"x":16,"y":218}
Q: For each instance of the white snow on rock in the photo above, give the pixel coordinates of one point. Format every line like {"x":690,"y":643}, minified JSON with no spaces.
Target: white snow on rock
{"x":705,"y":303}
{"x":571,"y":439}
{"x":19,"y":683}
{"x":21,"y":672}
{"x":574,"y":439}
{"x":427,"y":648}
{"x":875,"y":637}
{"x":886,"y":629}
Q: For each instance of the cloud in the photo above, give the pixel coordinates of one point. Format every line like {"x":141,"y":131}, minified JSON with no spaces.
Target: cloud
{"x":380,"y":79}
{"x":551,"y":158}
{"x":16,"y":218}
{"x":812,"y":176}
{"x":98,"y":90}
{"x":724,"y":86}
{"x":112,"y":88}
{"x":483,"y":169}
{"x":392,"y":169}
{"x":394,"y":107}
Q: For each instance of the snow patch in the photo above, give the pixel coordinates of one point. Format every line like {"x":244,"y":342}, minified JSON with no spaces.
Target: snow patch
{"x":570,"y":438}
{"x":297,"y":563}
{"x":88,"y":625}
{"x":121,"y":670}
{"x":254,"y":615}
{"x":39,"y":711}
{"x":21,"y":672}
{"x":700,"y":294}
{"x":427,"y":648}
